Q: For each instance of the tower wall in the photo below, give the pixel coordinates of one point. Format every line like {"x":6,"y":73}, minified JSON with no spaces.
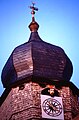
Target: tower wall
{"x":70,"y":103}
{"x":24,"y":103}
{"x":74,"y":103}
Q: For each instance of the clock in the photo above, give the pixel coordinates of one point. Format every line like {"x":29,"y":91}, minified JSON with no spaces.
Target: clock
{"x":52,"y":107}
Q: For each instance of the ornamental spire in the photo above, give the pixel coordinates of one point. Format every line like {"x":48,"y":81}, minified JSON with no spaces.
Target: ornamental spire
{"x":33,"y":25}
{"x":33,"y":11}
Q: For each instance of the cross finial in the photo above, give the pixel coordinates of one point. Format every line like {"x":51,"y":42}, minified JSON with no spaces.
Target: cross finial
{"x":33,"y":10}
{"x":33,"y":25}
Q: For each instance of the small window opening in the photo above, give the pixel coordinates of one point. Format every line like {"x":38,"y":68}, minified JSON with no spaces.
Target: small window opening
{"x":21,"y":87}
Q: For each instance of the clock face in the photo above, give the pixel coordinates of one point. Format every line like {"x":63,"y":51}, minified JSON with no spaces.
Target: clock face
{"x":52,"y":107}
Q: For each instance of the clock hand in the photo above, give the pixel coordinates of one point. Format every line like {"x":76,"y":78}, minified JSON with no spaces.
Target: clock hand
{"x":52,"y":107}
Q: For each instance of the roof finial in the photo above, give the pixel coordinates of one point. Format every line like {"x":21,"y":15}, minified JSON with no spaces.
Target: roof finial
{"x":33,"y":25}
{"x":33,"y":10}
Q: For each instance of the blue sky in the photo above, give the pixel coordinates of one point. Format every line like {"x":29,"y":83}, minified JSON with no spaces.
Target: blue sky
{"x":59,"y":25}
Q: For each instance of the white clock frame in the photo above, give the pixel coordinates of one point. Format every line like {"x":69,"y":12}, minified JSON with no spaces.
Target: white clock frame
{"x":55,"y":103}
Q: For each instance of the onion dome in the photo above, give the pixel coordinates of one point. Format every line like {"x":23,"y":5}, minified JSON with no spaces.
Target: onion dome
{"x":36,"y":59}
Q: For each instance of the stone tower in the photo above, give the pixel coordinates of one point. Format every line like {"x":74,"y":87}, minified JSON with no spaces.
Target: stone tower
{"x":34,"y":72}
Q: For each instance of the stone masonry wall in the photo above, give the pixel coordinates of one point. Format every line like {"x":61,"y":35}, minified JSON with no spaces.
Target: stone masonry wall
{"x":74,"y":104}
{"x":70,"y":103}
{"x":65,"y":94}
{"x":22,"y":103}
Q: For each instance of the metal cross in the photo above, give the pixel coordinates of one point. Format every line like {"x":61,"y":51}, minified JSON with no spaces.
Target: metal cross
{"x":33,"y":9}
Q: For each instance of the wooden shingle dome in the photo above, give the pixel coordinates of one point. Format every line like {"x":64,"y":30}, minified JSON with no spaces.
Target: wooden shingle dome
{"x":36,"y":58}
